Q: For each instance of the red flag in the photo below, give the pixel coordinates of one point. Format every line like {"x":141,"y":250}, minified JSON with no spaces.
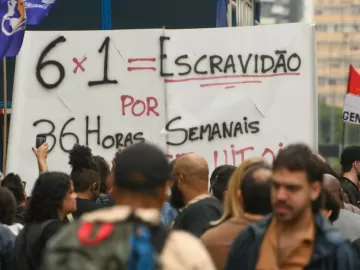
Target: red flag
{"x":353,"y":82}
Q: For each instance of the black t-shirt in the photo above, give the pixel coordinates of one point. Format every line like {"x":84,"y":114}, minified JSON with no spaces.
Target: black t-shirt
{"x":20,"y":213}
{"x":85,"y":206}
{"x":351,"y":190}
{"x":196,"y":217}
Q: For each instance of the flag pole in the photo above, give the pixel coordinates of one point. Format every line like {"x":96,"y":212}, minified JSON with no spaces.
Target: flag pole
{"x":5,"y":117}
{"x":343,"y":134}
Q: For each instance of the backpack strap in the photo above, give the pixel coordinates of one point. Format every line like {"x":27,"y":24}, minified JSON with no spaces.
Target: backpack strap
{"x":70,"y":218}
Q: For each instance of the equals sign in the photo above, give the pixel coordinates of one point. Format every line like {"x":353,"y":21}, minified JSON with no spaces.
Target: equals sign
{"x":131,"y":60}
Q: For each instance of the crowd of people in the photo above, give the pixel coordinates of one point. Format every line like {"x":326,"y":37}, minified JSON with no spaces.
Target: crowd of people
{"x":143,"y":212}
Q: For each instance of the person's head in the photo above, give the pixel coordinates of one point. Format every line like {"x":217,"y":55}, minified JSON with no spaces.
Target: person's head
{"x":232,"y":206}
{"x":191,"y":176}
{"x":350,"y":162}
{"x":7,"y":206}
{"x":220,"y":181}
{"x":142,"y":175}
{"x":331,"y":209}
{"x":333,"y":187}
{"x":85,"y":172}
{"x":52,"y":197}
{"x":104,"y":171}
{"x":296,"y":182}
{"x":111,"y":178}
{"x":255,"y":190}
{"x":14,"y":184}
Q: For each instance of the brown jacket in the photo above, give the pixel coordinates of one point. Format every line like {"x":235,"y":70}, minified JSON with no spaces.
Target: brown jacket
{"x":218,"y":240}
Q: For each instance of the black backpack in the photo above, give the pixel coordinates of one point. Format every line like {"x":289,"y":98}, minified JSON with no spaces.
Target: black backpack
{"x":25,"y":255}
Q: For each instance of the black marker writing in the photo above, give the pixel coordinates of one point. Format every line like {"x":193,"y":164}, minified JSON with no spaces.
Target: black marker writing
{"x":40,"y":65}
{"x":163,"y":56}
{"x":213,"y":131}
{"x":70,"y":138}
{"x":278,"y":62}
{"x":48,"y":134}
{"x":105,"y":79}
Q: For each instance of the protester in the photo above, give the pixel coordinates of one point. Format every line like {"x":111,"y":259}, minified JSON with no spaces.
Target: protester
{"x":220,"y":183}
{"x":110,"y":180}
{"x":142,"y":176}
{"x":331,"y":208}
{"x":52,"y":198}
{"x":296,"y":234}
{"x":6,"y":248}
{"x":15,"y":185}
{"x":232,"y":206}
{"x":328,"y":170}
{"x":104,"y":171}
{"x":350,"y":162}
{"x":254,"y":197}
{"x":8,"y":210}
{"x":190,"y":191}
{"x":86,"y":178}
{"x":348,"y":223}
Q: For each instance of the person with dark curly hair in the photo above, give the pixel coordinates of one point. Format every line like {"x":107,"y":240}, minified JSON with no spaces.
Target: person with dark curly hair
{"x":104,"y":171}
{"x":14,"y":183}
{"x":52,"y":198}
{"x":8,"y":210}
{"x":86,"y":178}
{"x":7,"y":206}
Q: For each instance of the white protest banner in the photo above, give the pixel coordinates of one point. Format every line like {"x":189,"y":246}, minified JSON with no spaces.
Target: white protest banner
{"x":351,"y":112}
{"x":227,"y":94}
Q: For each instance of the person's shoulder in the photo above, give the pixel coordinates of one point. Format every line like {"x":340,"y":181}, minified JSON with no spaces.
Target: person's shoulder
{"x":211,"y":235}
{"x":331,"y":235}
{"x":352,"y":208}
{"x":6,"y":234}
{"x":254,"y":230}
{"x":345,"y":182}
{"x":207,"y":204}
{"x":7,"y":238}
{"x":179,"y":252}
{"x":349,"y":218}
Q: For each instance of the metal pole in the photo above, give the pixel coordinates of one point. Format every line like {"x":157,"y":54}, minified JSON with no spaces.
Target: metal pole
{"x":5,"y":117}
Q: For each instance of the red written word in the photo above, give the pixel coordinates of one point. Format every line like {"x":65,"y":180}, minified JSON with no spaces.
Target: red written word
{"x":139,"y":107}
{"x":235,"y":156}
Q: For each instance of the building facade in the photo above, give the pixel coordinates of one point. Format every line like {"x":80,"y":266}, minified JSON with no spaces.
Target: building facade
{"x":338,"y":46}
{"x":281,"y":11}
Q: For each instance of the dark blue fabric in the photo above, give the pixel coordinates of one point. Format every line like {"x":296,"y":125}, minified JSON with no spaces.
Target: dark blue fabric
{"x":168,"y":214}
{"x":142,"y":251}
{"x":221,"y":10}
{"x":257,"y":10}
{"x":331,"y":250}
{"x":7,"y":239}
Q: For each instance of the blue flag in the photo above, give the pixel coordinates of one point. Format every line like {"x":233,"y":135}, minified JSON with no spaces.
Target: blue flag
{"x":221,"y":11}
{"x":13,"y":21}
{"x":37,"y":10}
{"x":14,"y":16}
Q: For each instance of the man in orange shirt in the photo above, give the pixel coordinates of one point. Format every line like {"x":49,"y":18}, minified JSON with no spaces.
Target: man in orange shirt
{"x":296,"y":236}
